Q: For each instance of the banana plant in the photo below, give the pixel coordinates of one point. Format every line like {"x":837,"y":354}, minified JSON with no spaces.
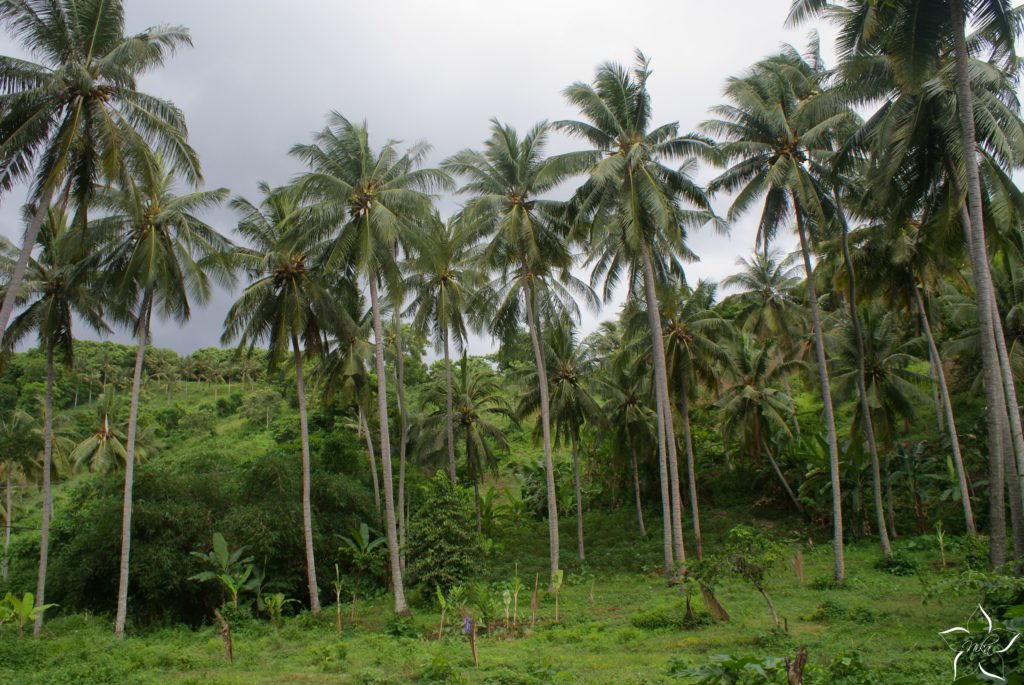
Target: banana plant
{"x":21,"y":611}
{"x":274,"y":605}
{"x":229,"y":568}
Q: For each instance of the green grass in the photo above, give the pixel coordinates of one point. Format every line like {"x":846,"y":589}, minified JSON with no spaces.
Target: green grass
{"x":880,"y":616}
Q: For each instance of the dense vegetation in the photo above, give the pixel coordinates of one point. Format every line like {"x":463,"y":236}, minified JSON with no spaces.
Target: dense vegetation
{"x":823,"y":442}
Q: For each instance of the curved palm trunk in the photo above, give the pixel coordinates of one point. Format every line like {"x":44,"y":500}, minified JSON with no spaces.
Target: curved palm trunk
{"x":666,"y":495}
{"x":27,"y":245}
{"x":789,"y":392}
{"x":403,"y":430}
{"x":450,"y":413}
{"x":307,"y":507}
{"x":636,"y":492}
{"x":129,"y":470}
{"x":826,"y":400}
{"x":995,"y":413}
{"x":401,"y":608}
{"x":1015,"y":436}
{"x":44,"y":529}
{"x":936,"y":400}
{"x":761,"y":444}
{"x":545,"y":417}
{"x":662,"y":397}
{"x":1013,"y":492}
{"x":364,"y":427}
{"x":947,"y":406}
{"x":691,"y":473}
{"x":862,"y":391}
{"x":578,"y":491}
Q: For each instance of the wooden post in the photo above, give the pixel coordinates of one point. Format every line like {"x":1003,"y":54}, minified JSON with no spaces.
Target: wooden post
{"x":535,"y":601}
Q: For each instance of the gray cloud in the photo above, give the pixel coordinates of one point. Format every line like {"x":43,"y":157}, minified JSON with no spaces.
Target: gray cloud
{"x":262,"y":76}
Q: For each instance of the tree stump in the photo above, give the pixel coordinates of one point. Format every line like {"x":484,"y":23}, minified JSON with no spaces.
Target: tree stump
{"x":795,"y":667}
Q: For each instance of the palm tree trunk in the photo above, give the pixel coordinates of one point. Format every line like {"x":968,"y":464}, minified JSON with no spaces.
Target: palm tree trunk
{"x":1015,"y":435}
{"x":307,"y":507}
{"x":862,"y":391}
{"x":826,"y":399}
{"x":8,"y":521}
{"x":145,"y":312}
{"x":474,"y":475}
{"x":889,"y":502}
{"x":44,"y":529}
{"x":789,"y":393}
{"x":691,"y":473}
{"x":450,"y":413}
{"x":403,"y":431}
{"x":947,"y":405}
{"x":28,"y":244}
{"x":1013,"y":492}
{"x":666,"y":493}
{"x":763,"y":445}
{"x":936,"y":400}
{"x":636,"y":492}
{"x":578,"y":491}
{"x":545,"y":418}
{"x":401,"y":608}
{"x":364,"y":427}
{"x":994,"y":394}
{"x":662,"y":398}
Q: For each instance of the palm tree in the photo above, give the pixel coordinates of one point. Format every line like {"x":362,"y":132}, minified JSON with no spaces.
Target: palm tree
{"x":751,"y":406}
{"x":104,"y":451}
{"x":13,"y":438}
{"x":287,"y":304}
{"x":632,"y":203}
{"x":368,"y":201}
{"x":779,"y":136}
{"x":440,"y":281}
{"x":76,"y":115}
{"x":770,"y":306}
{"x":60,"y":283}
{"x":479,"y":400}
{"x":917,"y":48}
{"x":160,"y":255}
{"x":572,"y":406}
{"x":693,"y":356}
{"x":526,"y":253}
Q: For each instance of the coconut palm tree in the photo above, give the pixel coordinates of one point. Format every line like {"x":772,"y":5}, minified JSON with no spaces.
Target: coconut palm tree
{"x":752,"y":407}
{"x":569,"y":366}
{"x":76,"y":115}
{"x":104,"y":450}
{"x":917,"y":37}
{"x":526,"y":253}
{"x":16,"y":445}
{"x":440,"y":280}
{"x":287,"y":305}
{"x":160,"y":256}
{"x":632,"y":204}
{"x":779,"y":136}
{"x":694,"y":353}
{"x":367,"y":201}
{"x":60,"y":284}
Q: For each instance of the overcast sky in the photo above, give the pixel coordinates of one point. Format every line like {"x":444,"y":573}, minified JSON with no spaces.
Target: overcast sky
{"x":263,"y":74}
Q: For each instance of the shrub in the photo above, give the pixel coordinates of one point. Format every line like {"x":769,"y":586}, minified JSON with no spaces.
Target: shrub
{"x":897,"y":564}
{"x":672,"y":617}
{"x":444,"y":545}
{"x":826,"y":611}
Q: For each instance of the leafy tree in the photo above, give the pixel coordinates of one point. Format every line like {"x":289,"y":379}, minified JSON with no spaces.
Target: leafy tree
{"x":444,"y":548}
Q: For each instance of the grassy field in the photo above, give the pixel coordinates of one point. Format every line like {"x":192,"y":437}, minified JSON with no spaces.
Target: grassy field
{"x":615,"y":627}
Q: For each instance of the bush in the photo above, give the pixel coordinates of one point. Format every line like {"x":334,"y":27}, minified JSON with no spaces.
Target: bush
{"x":444,"y":546}
{"x":897,"y":564}
{"x":672,"y":617}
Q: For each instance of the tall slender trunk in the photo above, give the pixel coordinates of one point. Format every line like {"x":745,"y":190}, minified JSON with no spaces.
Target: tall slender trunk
{"x":826,"y":400}
{"x":789,"y":392}
{"x":474,"y":475}
{"x":889,"y":502}
{"x":862,"y":392}
{"x":44,"y":529}
{"x":995,"y":411}
{"x":691,"y":473}
{"x":307,"y":507}
{"x":578,"y":491}
{"x":947,"y":405}
{"x":662,"y":398}
{"x":1013,"y":441}
{"x":450,"y":412}
{"x":401,"y":608}
{"x":27,"y":245}
{"x":145,"y":312}
{"x":8,"y":520}
{"x":545,"y":417}
{"x":364,"y":427}
{"x":761,"y":444}
{"x":936,"y":400}
{"x":666,"y":494}
{"x":403,"y":429}
{"x":636,"y":492}
{"x":1013,"y":491}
